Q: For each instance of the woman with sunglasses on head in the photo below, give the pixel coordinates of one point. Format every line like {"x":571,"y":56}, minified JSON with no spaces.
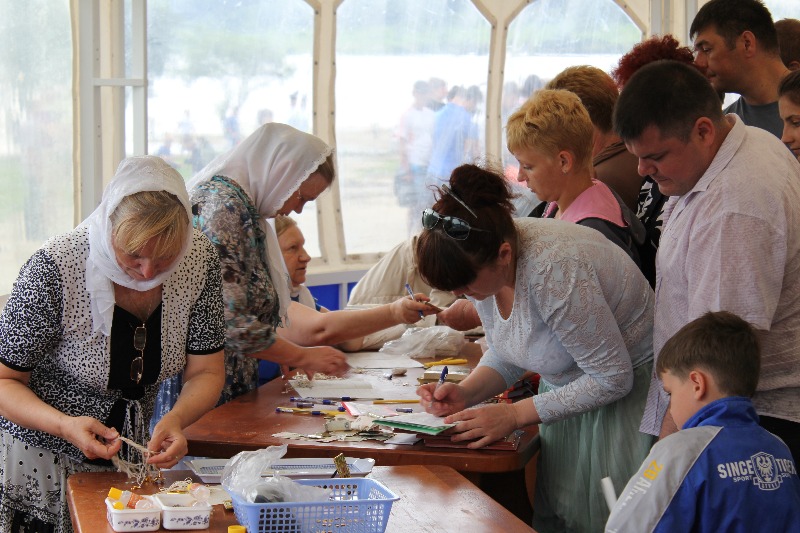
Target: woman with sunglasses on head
{"x":97,"y":318}
{"x":551,"y":136}
{"x":274,"y":171}
{"x":553,"y":299}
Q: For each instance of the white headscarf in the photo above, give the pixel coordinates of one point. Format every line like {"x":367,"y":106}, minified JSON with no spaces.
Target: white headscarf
{"x":134,"y":174}
{"x":270,"y":165}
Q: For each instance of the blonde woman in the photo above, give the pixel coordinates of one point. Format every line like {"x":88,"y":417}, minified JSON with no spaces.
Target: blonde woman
{"x":97,"y":319}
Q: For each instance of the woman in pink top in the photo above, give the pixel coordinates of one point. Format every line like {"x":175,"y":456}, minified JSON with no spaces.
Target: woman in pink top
{"x":551,"y":137}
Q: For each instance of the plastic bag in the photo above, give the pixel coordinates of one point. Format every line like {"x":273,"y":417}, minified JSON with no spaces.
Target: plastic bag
{"x":242,"y":475}
{"x":427,"y":342}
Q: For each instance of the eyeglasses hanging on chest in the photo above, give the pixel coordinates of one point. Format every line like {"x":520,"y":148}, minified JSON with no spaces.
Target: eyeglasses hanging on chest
{"x":137,"y":364}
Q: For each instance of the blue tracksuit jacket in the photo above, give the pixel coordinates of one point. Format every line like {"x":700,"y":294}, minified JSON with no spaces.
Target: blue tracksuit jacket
{"x":721,"y":472}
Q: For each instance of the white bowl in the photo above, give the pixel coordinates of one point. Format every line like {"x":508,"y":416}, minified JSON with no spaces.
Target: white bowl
{"x":133,"y":519}
{"x":177,"y":512}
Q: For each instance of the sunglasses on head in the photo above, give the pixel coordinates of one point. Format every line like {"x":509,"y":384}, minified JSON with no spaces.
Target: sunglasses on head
{"x":455,"y":228}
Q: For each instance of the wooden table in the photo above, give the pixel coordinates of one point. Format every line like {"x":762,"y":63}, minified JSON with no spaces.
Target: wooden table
{"x":249,"y":421}
{"x":432,"y":498}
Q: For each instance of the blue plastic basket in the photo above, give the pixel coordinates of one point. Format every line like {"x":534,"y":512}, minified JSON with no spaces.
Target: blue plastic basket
{"x":357,"y":505}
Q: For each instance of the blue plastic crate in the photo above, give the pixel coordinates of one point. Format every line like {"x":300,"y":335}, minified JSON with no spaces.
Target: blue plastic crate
{"x":357,"y":505}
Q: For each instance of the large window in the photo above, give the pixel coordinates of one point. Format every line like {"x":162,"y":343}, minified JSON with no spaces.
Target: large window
{"x":35,"y":129}
{"x":384,"y":50}
{"x":218,"y":70}
{"x":551,"y":35}
{"x":782,"y":9}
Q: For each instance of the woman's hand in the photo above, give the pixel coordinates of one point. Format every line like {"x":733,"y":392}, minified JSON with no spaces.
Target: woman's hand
{"x":168,"y":442}
{"x":407,"y":311}
{"x":461,"y":316}
{"x":487,"y":424}
{"x":91,"y":437}
{"x":324,"y":359}
{"x":445,"y":400}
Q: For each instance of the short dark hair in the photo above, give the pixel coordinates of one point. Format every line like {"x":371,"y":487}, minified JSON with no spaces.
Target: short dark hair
{"x":669,"y":95}
{"x":720,"y":343}
{"x":446,"y":263}
{"x":731,"y":18}
{"x":790,"y":87}
{"x":788,"y":31}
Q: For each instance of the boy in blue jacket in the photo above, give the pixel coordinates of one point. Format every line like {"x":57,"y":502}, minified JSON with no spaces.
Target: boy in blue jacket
{"x":722,"y":471}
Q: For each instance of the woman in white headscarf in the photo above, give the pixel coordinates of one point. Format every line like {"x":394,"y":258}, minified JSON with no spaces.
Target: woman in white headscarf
{"x":274,"y":171}
{"x":97,"y":319}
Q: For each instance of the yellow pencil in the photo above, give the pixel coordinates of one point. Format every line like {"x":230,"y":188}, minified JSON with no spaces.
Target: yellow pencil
{"x":394,"y":401}
{"x":448,"y":361}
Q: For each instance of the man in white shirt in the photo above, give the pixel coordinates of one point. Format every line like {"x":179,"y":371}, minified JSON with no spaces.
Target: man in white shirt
{"x":731,"y":238}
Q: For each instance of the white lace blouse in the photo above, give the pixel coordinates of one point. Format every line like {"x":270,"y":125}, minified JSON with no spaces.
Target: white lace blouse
{"x":582,"y":318}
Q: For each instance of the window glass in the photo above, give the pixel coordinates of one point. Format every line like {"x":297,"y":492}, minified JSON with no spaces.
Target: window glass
{"x":218,"y":70}
{"x":551,"y":35}
{"x":395,"y":63}
{"x":782,"y":9}
{"x":36,"y":177}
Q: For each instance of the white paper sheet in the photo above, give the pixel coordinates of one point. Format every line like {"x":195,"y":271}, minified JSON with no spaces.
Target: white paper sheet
{"x":381,"y":360}
{"x":360,"y":387}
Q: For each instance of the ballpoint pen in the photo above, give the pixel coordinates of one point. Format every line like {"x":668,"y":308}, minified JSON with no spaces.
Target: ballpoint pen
{"x":411,"y":292}
{"x":441,"y":378}
{"x":303,"y":411}
{"x":323,"y":401}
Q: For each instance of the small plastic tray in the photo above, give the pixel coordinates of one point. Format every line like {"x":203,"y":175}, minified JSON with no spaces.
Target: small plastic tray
{"x":210,"y":470}
{"x":357,"y":505}
{"x":133,"y":519}
{"x":178,"y":512}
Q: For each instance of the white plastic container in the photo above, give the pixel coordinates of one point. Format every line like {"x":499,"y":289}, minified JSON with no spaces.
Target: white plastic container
{"x":133,"y":519}
{"x":177,"y":512}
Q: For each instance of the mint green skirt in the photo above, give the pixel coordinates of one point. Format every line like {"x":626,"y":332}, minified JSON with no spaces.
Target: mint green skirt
{"x":576,"y":453}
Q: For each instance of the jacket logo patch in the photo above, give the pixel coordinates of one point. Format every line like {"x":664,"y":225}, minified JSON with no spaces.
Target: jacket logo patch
{"x":765,"y":475}
{"x":764,"y":469}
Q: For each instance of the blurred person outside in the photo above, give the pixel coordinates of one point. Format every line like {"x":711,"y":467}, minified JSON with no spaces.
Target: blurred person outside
{"x":414,"y":136}
{"x":438,"y":93}
{"x":455,"y":135}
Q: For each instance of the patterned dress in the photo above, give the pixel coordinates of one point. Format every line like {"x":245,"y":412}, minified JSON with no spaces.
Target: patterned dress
{"x":227,"y":216}
{"x":46,"y":329}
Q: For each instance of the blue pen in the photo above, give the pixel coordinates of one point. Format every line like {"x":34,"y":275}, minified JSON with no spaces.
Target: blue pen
{"x":323,"y":401}
{"x":442,"y":378}
{"x":411,"y":292}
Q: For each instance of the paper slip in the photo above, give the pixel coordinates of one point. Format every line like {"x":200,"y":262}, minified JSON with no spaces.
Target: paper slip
{"x":361,"y":387}
{"x":381,"y":360}
{"x":355,"y":387}
{"x":416,"y":422}
{"x":403,"y":438}
{"x":377,"y":411}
